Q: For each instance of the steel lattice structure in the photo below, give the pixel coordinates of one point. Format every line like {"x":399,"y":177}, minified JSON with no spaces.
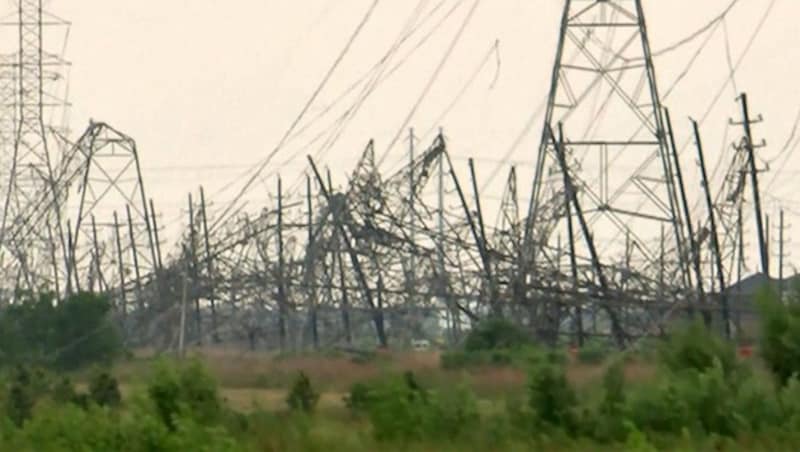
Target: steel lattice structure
{"x":608,"y":245}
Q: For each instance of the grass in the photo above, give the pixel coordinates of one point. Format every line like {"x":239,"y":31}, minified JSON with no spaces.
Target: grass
{"x":256,"y":384}
{"x":249,"y":379}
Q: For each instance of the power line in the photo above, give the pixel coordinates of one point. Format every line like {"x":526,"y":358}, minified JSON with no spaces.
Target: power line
{"x":362,"y":24}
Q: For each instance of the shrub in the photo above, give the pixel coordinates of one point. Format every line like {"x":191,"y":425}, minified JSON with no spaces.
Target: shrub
{"x":187,"y":390}
{"x":402,"y":410}
{"x":468,"y":359}
{"x":359,"y":398}
{"x":550,"y":396}
{"x":659,"y":407}
{"x":302,"y":396}
{"x":611,"y":413}
{"x":780,"y":336}
{"x":21,"y":397}
{"x":495,"y":333}
{"x":70,"y":427}
{"x":67,"y":335}
{"x":455,"y":413}
{"x":104,"y":390}
{"x":64,"y":392}
{"x":700,"y":401}
{"x":757,"y":404}
{"x":694,"y":347}
{"x":593,"y":352}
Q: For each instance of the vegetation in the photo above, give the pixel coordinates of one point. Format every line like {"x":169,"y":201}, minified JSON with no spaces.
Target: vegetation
{"x":65,"y":335}
{"x":700,"y":396}
{"x":302,"y":396}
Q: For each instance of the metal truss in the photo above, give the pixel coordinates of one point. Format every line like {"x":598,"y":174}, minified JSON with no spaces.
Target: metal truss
{"x":607,"y":247}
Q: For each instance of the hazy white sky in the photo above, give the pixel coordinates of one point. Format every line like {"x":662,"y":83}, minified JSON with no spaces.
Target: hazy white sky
{"x":207,"y":87}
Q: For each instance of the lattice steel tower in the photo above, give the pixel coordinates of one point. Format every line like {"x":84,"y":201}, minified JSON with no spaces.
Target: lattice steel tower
{"x":32,"y":237}
{"x":606,"y":137}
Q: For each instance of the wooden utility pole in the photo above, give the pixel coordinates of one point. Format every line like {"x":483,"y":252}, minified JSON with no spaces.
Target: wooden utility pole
{"x":184,"y":290}
{"x":198,"y":315}
{"x":720,"y":272}
{"x":308,"y":276}
{"x":209,"y":269}
{"x":121,"y":269}
{"x":781,"y":254}
{"x":750,"y":147}
{"x":135,"y":255}
{"x":282,"y":302}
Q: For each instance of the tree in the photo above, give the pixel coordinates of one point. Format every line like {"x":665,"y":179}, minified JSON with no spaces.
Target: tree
{"x":65,"y":335}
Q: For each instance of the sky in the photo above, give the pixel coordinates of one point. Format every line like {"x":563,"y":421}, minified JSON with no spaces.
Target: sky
{"x":208,"y":88}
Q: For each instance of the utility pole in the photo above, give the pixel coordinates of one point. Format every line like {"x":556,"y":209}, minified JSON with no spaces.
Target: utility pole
{"x":308,"y":277}
{"x":209,"y":268}
{"x":714,"y":237}
{"x":198,"y":319}
{"x":135,"y":254}
{"x":781,"y":254}
{"x":442,"y":283}
{"x":694,"y":250}
{"x":98,"y":268}
{"x":767,"y":243}
{"x":155,"y":235}
{"x":184,"y":290}
{"x":750,"y":147}
{"x":412,"y":272}
{"x":282,"y":308}
{"x":121,"y":269}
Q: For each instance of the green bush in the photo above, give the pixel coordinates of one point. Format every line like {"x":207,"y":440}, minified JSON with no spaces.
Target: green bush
{"x":185,"y":390}
{"x":593,"y":352}
{"x":694,"y":347}
{"x":780,"y":335}
{"x":64,"y":392}
{"x":659,"y":407}
{"x":758,"y":405}
{"x":700,"y":401}
{"x":462,"y":359}
{"x":551,"y":399}
{"x":402,"y":410}
{"x":21,"y":396}
{"x":302,"y":396}
{"x":495,"y":333}
{"x":67,"y":335}
{"x":104,"y":390}
{"x":359,"y":398}
{"x":611,"y":414}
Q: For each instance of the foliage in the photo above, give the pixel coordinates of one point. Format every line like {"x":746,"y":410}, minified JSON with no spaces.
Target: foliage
{"x":551,"y":398}
{"x":21,"y":396}
{"x":694,"y":347}
{"x":462,"y":359}
{"x":64,"y":392}
{"x":180,"y":409}
{"x":67,"y":335}
{"x":593,"y":352}
{"x":402,"y":410}
{"x":104,"y":389}
{"x":187,"y":391}
{"x":611,"y":412}
{"x":302,"y":396}
{"x":495,"y":333}
{"x":359,"y":398}
{"x":780,"y":335}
